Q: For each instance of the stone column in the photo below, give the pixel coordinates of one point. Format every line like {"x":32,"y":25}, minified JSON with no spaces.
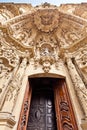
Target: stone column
{"x":79,"y":88}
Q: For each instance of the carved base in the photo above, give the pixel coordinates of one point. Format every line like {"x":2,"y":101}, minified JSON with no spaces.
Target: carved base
{"x":6,"y":121}
{"x":84,"y":124}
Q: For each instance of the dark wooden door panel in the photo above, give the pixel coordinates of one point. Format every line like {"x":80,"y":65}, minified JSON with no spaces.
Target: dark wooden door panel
{"x":42,"y":111}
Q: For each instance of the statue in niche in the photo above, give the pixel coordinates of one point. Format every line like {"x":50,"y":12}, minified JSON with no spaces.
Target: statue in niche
{"x":45,"y":51}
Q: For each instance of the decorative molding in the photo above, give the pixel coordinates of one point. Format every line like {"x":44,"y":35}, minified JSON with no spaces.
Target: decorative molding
{"x":6,"y":119}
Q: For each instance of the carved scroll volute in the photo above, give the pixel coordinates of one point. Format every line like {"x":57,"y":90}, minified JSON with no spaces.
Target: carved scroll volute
{"x":22,"y":124}
{"x":64,"y":112}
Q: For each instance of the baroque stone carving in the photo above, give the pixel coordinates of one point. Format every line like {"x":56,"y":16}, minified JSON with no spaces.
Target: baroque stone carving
{"x":46,"y":53}
{"x":46,"y":20}
{"x":68,"y":35}
{"x":81,"y":58}
{"x":81,"y":10}
{"x":78,"y":85}
{"x":4,"y":69}
{"x":14,"y":86}
{"x":43,"y":35}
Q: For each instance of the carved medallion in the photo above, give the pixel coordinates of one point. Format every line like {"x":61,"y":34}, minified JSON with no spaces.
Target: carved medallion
{"x":46,"y":20}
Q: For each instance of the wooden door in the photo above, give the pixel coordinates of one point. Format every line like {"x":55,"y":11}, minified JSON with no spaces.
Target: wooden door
{"x":64,"y":111}
{"x":42,"y":108}
{"x":42,"y":88}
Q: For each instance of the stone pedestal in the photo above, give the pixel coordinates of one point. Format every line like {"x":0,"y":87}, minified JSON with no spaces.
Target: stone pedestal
{"x":7,"y":121}
{"x":84,"y":124}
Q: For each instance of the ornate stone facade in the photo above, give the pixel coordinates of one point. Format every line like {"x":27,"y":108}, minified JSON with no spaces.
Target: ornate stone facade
{"x":42,"y":41}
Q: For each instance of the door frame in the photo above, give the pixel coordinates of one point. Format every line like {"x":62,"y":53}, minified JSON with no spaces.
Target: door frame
{"x":65,"y":116}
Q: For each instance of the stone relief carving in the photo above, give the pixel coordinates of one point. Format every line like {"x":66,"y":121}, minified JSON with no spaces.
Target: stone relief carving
{"x":81,"y":11}
{"x":10,"y":54}
{"x":14,"y":47}
{"x":39,"y":34}
{"x":14,"y":86}
{"x":78,"y":85}
{"x":5,"y":76}
{"x":46,"y":53}
{"x":81,"y":58}
{"x":5,"y":15}
{"x":46,"y":20}
{"x":24,"y":34}
{"x":3,"y":68}
{"x":67,"y":35}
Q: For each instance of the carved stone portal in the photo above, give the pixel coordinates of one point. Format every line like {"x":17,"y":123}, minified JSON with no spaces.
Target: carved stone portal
{"x":39,"y":40}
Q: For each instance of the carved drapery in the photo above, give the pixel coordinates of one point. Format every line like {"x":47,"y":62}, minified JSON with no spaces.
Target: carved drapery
{"x":78,"y":85}
{"x":14,"y":87}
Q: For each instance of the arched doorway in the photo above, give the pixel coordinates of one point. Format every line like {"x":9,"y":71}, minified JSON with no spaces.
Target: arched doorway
{"x":48,"y":106}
